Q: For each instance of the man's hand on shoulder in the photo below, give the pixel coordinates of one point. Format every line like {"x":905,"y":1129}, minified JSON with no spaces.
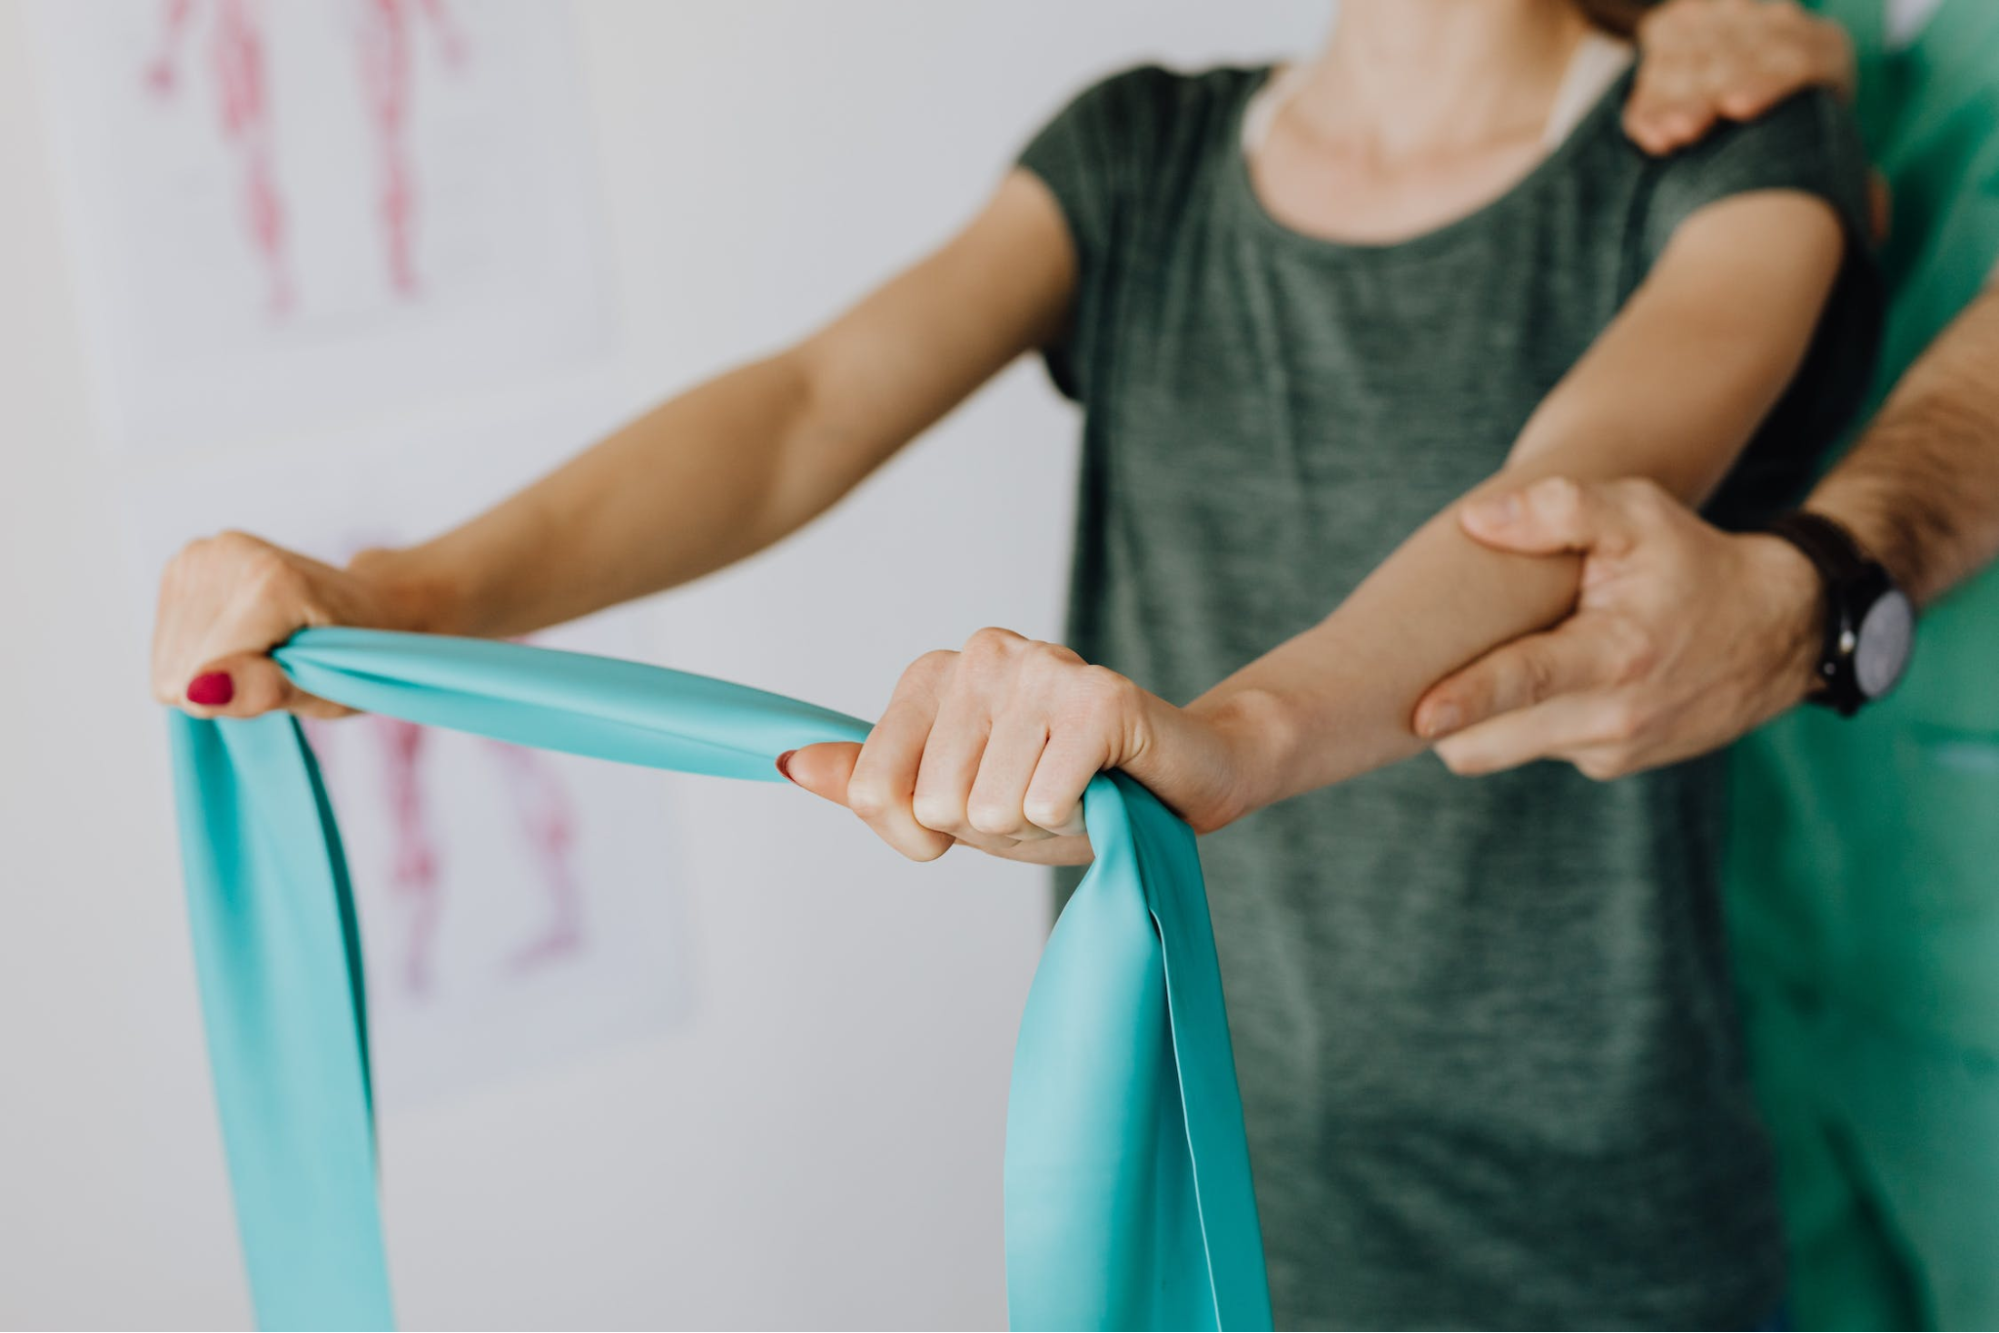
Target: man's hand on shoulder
{"x":1705,"y":61}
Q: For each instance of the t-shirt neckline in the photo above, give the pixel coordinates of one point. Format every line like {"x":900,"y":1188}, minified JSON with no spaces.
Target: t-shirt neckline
{"x":1243,"y":185}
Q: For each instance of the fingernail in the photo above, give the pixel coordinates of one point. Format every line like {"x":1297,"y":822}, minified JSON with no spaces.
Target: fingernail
{"x":212,"y":690}
{"x":784,"y":765}
{"x":1440,"y":721}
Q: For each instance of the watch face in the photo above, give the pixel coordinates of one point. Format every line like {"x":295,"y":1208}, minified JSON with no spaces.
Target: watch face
{"x":1883,"y":648}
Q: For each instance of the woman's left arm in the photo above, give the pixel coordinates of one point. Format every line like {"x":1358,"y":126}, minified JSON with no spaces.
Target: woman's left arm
{"x":993,"y":745}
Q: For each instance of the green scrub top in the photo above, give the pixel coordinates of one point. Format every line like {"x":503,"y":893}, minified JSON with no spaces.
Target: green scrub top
{"x":1864,"y":895}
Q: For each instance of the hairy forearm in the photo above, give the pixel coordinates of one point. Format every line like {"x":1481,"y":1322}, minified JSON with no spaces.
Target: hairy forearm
{"x":1921,"y":488}
{"x":704,"y":479}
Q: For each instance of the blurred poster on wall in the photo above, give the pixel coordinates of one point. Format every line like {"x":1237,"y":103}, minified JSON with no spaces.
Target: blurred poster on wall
{"x":517,"y":907}
{"x":320,"y":208}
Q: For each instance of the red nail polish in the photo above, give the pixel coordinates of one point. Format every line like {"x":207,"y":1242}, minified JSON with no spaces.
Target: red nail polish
{"x":212,"y":690}
{"x":784,"y":764}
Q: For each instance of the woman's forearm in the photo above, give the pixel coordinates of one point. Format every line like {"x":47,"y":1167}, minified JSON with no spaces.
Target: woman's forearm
{"x":1337,"y":700}
{"x":726,"y":469}
{"x":704,"y":479}
{"x":1672,"y":392}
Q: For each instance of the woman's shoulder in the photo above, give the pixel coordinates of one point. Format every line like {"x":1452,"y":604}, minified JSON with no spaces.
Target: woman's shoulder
{"x":1811,"y":130}
{"x":1150,"y":107}
{"x":1810,"y":142}
{"x":1156,"y":85}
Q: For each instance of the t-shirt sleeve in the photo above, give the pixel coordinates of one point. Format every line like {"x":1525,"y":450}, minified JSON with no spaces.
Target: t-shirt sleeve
{"x":1809,"y":144}
{"x":1094,"y":157}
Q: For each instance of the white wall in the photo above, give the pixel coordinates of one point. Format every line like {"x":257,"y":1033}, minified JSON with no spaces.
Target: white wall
{"x":821,"y":1146}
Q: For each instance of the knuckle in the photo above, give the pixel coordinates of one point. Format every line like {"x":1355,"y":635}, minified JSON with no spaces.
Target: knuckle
{"x":270,"y":574}
{"x":1623,"y":723}
{"x":921,"y":850}
{"x":234,"y":541}
{"x":992,"y":819}
{"x":929,"y":673}
{"x":1537,"y":677}
{"x":935,"y":663}
{"x":1668,"y":21}
{"x":1596,"y":768}
{"x":1640,"y":497}
{"x":1558,"y":498}
{"x":936,"y":811}
{"x":1052,"y":656}
{"x":1786,"y":61}
{"x":868,"y":798}
{"x":1045,"y":813}
{"x":1461,"y":762}
{"x":190,"y":552}
{"x":991,"y":641}
{"x":1637,"y":658}
{"x":1608,"y":763}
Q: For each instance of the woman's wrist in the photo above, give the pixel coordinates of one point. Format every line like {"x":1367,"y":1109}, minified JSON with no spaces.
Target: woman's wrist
{"x":1258,"y":737}
{"x":410,"y":593}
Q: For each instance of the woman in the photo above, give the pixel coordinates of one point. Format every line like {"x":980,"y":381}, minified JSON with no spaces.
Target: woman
{"x":1483,"y":1031}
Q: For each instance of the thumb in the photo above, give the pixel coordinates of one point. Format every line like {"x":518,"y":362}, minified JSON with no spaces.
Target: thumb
{"x":1546,"y":517}
{"x":249,"y":685}
{"x":824,"y":769}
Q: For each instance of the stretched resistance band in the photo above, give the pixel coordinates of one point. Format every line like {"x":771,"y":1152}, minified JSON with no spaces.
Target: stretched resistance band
{"x":1128,"y":1194}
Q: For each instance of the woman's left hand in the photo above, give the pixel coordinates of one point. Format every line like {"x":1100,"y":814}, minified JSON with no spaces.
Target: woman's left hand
{"x":993,"y":745}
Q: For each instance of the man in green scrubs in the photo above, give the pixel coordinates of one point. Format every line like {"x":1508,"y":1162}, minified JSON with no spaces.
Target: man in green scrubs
{"x":1865,"y":896}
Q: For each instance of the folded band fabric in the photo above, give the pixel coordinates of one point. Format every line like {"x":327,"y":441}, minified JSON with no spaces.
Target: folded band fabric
{"x":1127,"y":1182}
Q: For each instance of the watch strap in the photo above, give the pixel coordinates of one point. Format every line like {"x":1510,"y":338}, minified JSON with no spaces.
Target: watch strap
{"x":1844,"y":571}
{"x":1826,"y":543}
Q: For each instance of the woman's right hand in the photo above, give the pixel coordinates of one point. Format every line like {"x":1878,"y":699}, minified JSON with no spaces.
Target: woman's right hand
{"x":227,"y":600}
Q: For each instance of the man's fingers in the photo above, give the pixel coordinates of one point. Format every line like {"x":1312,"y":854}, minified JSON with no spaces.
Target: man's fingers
{"x":1549,"y":730}
{"x":1672,"y":100}
{"x":1669,"y":119}
{"x":1554,"y":515}
{"x":1513,"y":676}
{"x":1704,"y":60}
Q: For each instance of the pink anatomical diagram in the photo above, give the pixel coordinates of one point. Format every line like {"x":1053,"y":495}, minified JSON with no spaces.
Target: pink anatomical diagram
{"x":239,"y":70}
{"x":544,"y":821}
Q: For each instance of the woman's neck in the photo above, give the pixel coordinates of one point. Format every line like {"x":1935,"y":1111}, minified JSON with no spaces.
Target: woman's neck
{"x":1402,"y":79}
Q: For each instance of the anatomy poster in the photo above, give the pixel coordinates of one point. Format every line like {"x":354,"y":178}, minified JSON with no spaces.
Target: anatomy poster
{"x":317,"y":209}
{"x":517,"y":907}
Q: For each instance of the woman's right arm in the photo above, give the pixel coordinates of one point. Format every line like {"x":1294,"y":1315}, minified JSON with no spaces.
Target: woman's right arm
{"x":705,"y":479}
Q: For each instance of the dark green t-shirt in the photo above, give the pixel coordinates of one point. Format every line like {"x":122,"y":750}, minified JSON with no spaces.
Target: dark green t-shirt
{"x":1483,"y":1028}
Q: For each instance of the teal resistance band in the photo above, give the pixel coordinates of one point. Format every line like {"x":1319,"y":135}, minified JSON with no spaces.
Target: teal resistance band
{"x":1128,"y":1194}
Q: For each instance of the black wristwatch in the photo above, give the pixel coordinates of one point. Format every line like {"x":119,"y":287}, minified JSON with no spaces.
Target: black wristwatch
{"x":1870,"y":623}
